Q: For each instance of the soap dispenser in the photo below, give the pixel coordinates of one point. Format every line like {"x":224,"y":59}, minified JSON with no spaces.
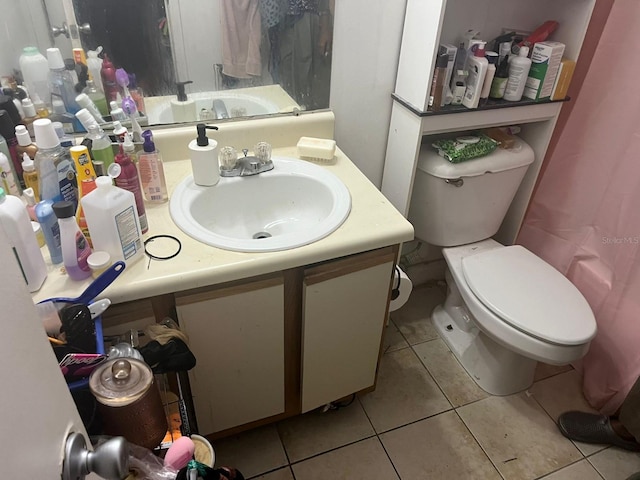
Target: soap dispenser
{"x":204,"y":158}
{"x":182,"y":107}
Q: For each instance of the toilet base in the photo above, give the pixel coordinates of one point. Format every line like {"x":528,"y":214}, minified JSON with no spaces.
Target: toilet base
{"x":496,"y":369}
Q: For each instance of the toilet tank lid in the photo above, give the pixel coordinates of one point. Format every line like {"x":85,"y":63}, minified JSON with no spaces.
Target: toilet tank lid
{"x":497,"y":161}
{"x":530,"y":295}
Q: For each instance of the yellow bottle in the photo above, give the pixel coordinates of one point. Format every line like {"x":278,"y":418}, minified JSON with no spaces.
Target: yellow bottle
{"x":30,"y":175}
{"x":86,"y":175}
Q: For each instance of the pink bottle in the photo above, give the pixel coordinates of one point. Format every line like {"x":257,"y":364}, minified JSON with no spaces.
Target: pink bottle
{"x":128,"y":180}
{"x":108,"y":75}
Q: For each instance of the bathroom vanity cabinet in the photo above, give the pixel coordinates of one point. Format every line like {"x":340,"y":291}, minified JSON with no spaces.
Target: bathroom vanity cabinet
{"x":413,"y":127}
{"x":281,"y":344}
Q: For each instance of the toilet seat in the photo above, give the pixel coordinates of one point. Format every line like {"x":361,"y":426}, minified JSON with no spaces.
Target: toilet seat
{"x":530,"y":295}
{"x":498,"y":328}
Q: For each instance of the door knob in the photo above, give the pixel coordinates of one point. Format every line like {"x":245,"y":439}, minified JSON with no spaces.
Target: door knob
{"x":110,"y":460}
{"x":85,"y":28}
{"x":63,"y":30}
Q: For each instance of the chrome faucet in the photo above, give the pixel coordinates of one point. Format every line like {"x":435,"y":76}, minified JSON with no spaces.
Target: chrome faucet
{"x":232,"y":166}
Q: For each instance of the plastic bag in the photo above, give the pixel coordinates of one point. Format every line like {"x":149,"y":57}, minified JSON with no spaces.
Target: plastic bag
{"x":460,"y":149}
{"x":143,"y":464}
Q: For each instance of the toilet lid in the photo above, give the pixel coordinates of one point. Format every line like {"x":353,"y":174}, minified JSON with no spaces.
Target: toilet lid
{"x":530,"y":295}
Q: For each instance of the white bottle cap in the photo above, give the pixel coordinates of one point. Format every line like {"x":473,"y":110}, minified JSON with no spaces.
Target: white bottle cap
{"x":83,"y":100}
{"x":45,"y":134}
{"x":86,"y":119}
{"x":23,"y":136}
{"x":523,"y":52}
{"x":29,"y":108}
{"x":58,"y":106}
{"x":27,"y":166}
{"x":54,"y":57}
{"x":104,"y":182}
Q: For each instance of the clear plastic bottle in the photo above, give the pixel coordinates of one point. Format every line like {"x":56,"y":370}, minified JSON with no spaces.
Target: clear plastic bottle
{"x":54,"y":165}
{"x":15,"y":222}
{"x":101,"y":149}
{"x":97,"y":96}
{"x":30,"y":175}
{"x":113,"y":221}
{"x":154,"y":184}
{"x":75,"y":248}
{"x":62,"y":85}
{"x":35,"y":72}
{"x":94,"y":64}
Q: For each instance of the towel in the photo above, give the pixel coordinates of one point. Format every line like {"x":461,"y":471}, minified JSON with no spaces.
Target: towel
{"x":241,"y":34}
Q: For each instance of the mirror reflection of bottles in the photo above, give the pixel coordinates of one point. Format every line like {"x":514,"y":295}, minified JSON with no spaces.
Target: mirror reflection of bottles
{"x":62,"y":85}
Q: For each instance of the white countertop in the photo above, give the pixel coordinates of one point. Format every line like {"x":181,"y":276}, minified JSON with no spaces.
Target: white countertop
{"x":373,"y":223}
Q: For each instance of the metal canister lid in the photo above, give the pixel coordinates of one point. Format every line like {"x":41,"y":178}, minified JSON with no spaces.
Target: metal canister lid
{"x":120,"y":381}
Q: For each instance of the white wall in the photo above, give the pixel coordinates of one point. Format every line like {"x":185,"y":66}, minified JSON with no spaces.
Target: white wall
{"x":367,"y":38}
{"x":21,"y":24}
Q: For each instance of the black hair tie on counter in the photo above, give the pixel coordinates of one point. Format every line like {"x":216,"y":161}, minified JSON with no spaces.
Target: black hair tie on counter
{"x":158,"y":257}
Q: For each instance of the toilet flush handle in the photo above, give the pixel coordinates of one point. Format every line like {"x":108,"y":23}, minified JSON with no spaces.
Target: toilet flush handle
{"x":456,"y":182}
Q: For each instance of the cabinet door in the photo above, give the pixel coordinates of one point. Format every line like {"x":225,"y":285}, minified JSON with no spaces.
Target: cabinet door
{"x":344,"y":311}
{"x":237,"y":336}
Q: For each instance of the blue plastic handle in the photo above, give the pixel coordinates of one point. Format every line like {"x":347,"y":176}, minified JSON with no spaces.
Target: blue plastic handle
{"x":97,"y":286}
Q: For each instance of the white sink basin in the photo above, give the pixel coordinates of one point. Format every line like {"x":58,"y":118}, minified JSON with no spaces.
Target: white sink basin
{"x":294,"y":204}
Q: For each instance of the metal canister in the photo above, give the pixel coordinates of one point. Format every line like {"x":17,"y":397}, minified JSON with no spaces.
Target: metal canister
{"x":129,"y":401}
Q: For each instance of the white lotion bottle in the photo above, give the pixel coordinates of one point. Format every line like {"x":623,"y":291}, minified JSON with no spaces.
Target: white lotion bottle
{"x":204,"y":158}
{"x":22,"y":240}
{"x":518,"y":72}
{"x":477,"y":67}
{"x":113,"y":222}
{"x":183,"y":107}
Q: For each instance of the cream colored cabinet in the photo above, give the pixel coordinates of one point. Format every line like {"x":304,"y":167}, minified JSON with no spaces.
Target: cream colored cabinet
{"x":272,"y":347}
{"x":237,"y":336}
{"x":344,"y":312}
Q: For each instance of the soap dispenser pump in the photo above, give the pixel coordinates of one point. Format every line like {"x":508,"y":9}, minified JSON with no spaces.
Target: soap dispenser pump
{"x":183,"y":107}
{"x":204,"y":157}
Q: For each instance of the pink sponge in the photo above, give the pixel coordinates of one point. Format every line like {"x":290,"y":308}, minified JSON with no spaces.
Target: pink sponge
{"x":179,"y":453}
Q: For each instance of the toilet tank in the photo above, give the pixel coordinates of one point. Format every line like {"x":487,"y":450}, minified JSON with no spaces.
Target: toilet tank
{"x":460,"y":203}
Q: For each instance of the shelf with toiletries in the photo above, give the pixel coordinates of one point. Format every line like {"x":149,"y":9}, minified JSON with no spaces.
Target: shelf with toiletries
{"x":433,"y":28}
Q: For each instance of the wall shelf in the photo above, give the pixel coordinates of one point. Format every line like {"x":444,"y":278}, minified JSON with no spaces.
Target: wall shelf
{"x":427,"y":24}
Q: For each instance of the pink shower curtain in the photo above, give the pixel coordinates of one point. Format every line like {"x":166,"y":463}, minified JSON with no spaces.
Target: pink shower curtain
{"x":585,"y":215}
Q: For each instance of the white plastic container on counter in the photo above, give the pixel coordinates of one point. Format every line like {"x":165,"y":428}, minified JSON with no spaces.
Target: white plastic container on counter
{"x":16,"y":224}
{"x":113,"y":222}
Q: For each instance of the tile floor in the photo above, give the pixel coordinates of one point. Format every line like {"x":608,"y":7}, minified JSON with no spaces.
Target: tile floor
{"x":428,"y":420}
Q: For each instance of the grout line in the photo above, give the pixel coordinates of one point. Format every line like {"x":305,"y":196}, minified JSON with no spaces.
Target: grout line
{"x":316,"y":455}
{"x":479,"y":444}
{"x":388,"y":456}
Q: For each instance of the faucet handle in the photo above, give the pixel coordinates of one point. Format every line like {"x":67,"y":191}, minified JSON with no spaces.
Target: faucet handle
{"x":228,"y":158}
{"x":245,"y":151}
{"x":262,"y":150}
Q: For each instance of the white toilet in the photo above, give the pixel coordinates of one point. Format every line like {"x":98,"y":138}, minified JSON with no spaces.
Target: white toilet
{"x":506,"y":309}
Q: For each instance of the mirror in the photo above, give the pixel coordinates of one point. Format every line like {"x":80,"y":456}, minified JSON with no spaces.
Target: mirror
{"x":243,"y":57}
